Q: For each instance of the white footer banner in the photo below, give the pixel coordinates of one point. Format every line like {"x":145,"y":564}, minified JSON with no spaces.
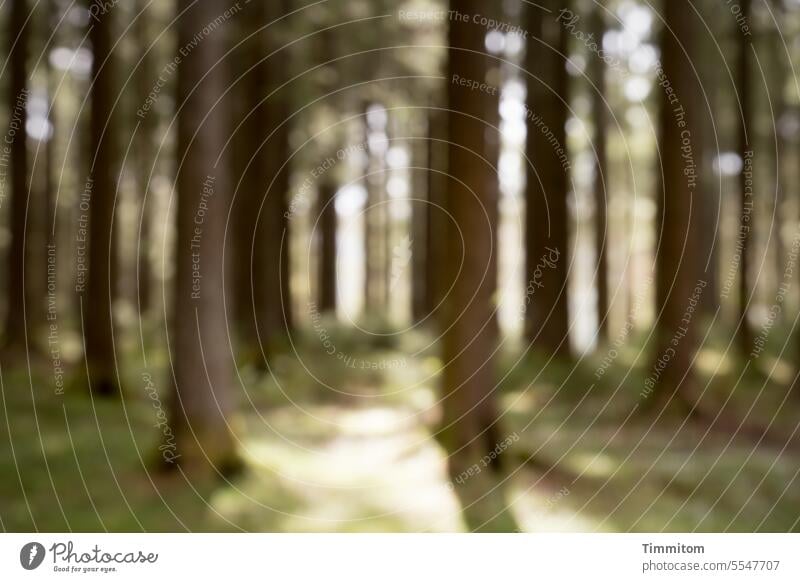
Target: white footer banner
{"x":401,"y":557}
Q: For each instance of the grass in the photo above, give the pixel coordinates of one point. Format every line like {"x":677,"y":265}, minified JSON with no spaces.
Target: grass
{"x":358,"y":454}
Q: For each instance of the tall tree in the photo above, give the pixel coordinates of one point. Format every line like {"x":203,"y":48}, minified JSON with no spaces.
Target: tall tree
{"x":280,"y":145}
{"x":326,"y":213}
{"x":597,"y":76}
{"x":203,"y":399}
{"x":437,"y":220}
{"x":491,"y":117}
{"x":263,"y":242}
{"x":145,"y":145}
{"x":744,"y":331}
{"x":17,"y":97}
{"x":470,"y":423}
{"x":777,"y":75}
{"x":711,"y":68}
{"x":102,"y":246}
{"x":50,"y":187}
{"x":677,"y":267}
{"x":547,"y":234}
{"x":419,"y":227}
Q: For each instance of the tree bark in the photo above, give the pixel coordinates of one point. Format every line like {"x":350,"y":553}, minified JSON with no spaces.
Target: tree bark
{"x":597,"y":75}
{"x":17,"y":164}
{"x":144,"y":160}
{"x":203,"y":399}
{"x":671,"y":379}
{"x":470,"y":424}
{"x":547,"y":236}
{"x":245,"y":163}
{"x":779,"y":74}
{"x":494,"y":143}
{"x":326,"y":211}
{"x":280,"y":111}
{"x":274,"y":305}
{"x":437,"y":220}
{"x":744,"y":331}
{"x":264,"y":309}
{"x":97,"y":309}
{"x":420,"y":214}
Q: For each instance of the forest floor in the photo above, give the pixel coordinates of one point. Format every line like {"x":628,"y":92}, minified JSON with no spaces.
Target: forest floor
{"x":356,"y":452}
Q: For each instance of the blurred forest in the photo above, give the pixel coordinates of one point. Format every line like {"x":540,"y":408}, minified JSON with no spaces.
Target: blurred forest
{"x":401,"y":265}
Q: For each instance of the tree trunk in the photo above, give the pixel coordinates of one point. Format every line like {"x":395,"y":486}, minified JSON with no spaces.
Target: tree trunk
{"x":264,"y":309}
{"x":420,"y":213}
{"x":597,"y":75}
{"x":144,"y":160}
{"x":102,"y":246}
{"x":547,"y":185}
{"x":273,"y":304}
{"x":245,"y":163}
{"x":279,"y":110}
{"x":470,"y":423}
{"x":437,"y":219}
{"x":202,"y":367}
{"x":17,"y":161}
{"x":51,"y":80}
{"x":494,"y":143}
{"x":671,"y":377}
{"x":744,"y":331}
{"x":779,"y":74}
{"x":326,"y":212}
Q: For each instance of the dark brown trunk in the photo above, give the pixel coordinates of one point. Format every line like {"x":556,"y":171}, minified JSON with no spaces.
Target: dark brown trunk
{"x":780,"y":152}
{"x":274,"y":308}
{"x":437,"y":220}
{"x":247,"y":122}
{"x":470,"y":424}
{"x":744,"y":331}
{"x":50,"y":187}
{"x":547,"y":185}
{"x":97,"y":307}
{"x":678,"y":289}
{"x":15,"y":162}
{"x":326,"y":211}
{"x":597,"y":75}
{"x":280,"y":112}
{"x":202,"y":366}
{"x":491,"y":117}
{"x":264,"y":237}
{"x":420,"y":214}
{"x":144,"y":160}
